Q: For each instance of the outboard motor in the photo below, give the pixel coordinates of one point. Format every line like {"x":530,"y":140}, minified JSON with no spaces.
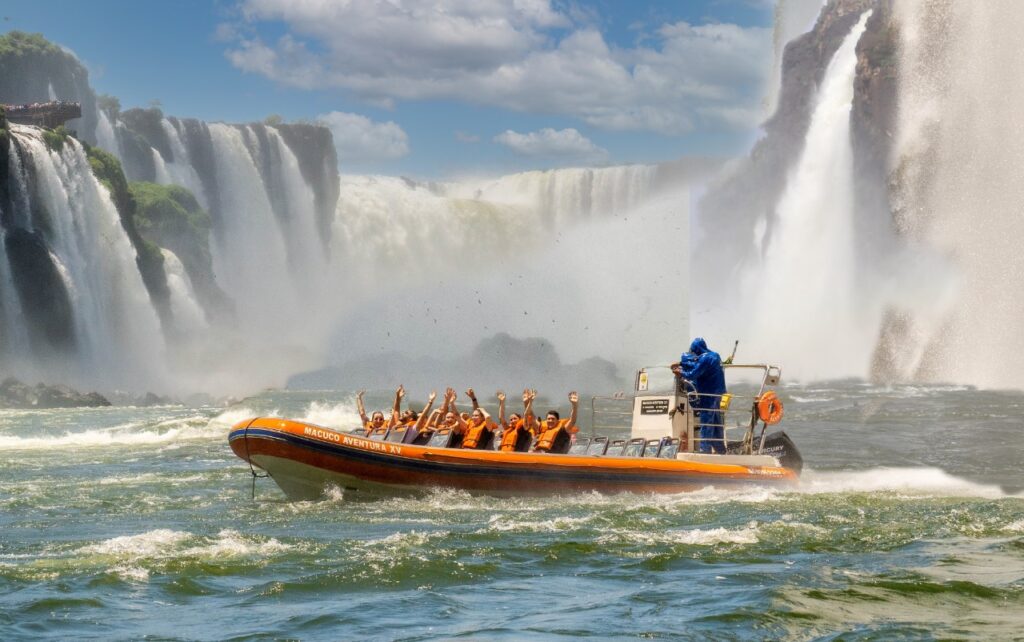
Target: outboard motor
{"x":780,"y":446}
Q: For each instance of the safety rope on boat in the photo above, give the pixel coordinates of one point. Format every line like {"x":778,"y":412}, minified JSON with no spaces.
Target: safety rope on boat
{"x":248,"y":460}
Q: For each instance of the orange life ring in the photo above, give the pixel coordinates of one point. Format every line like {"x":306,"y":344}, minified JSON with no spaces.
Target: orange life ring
{"x":769,"y":408}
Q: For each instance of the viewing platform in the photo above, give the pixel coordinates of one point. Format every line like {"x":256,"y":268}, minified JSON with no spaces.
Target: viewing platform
{"x":51,"y":114}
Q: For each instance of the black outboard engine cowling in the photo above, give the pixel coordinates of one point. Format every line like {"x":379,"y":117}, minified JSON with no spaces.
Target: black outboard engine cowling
{"x":781,"y":447}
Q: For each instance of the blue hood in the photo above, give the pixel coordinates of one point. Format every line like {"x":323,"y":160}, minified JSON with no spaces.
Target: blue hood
{"x":699,"y":346}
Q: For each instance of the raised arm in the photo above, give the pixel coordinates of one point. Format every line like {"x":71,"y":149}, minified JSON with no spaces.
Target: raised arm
{"x":574,"y":400}
{"x":424,"y":417}
{"x":501,"y":407}
{"x":361,"y":407}
{"x":472,"y":398}
{"x":448,"y":394}
{"x":529,"y":421}
{"x":451,"y":403}
{"x":396,"y":409}
{"x":435,"y":418}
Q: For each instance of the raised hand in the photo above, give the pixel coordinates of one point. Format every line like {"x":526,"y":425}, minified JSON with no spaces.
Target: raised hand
{"x":574,"y":398}
{"x":470,"y":393}
{"x":433,"y":395}
{"x":501,"y":396}
{"x":360,"y":394}
{"x":400,"y":392}
{"x":526,"y":395}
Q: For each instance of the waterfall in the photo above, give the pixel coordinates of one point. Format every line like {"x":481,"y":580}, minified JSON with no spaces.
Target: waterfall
{"x":117,"y":332}
{"x":250,"y":258}
{"x":106,"y":139}
{"x":180,"y":171}
{"x":805,"y":291}
{"x":188,"y":314}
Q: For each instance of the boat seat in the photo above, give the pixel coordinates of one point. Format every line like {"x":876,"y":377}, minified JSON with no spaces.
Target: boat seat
{"x":379,"y":434}
{"x":397,"y":434}
{"x":652,"y":447}
{"x":445,"y":438}
{"x":597,"y":446}
{"x":580,"y":447}
{"x":669,"y":448}
{"x":634,"y":448}
{"x":615,"y":448}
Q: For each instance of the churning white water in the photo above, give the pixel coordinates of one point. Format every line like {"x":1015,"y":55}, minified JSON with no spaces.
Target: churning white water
{"x":806,"y":313}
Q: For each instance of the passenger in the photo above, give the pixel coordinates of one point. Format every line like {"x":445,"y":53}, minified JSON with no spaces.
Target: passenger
{"x":515,"y":435}
{"x":372,"y":423}
{"x":703,"y":368}
{"x":479,"y":430}
{"x":557,"y":432}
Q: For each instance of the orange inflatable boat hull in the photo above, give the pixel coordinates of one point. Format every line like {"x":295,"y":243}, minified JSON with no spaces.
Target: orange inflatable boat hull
{"x":305,"y":459}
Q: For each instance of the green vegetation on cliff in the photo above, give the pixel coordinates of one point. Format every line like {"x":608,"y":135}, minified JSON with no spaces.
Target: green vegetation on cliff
{"x":171,"y":217}
{"x":108,"y":171}
{"x":19,"y":44}
{"x":55,"y":138}
{"x":170,"y":212}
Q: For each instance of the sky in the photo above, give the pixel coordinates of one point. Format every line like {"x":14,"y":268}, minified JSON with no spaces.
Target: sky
{"x":443,"y":88}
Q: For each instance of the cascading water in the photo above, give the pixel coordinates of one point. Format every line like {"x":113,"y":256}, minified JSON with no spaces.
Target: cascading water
{"x":118,"y":338}
{"x":187,"y":314}
{"x":180,"y":171}
{"x":806,"y":311}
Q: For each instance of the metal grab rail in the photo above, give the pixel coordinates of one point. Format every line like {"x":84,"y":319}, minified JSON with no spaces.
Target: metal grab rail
{"x":611,"y":412}
{"x":618,"y":416}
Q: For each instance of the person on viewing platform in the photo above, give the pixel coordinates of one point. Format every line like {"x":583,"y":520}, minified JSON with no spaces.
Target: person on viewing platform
{"x":557,"y":432}
{"x":703,"y":368}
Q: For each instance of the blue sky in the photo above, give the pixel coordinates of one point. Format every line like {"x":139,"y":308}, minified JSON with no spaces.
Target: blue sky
{"x":440,"y":89}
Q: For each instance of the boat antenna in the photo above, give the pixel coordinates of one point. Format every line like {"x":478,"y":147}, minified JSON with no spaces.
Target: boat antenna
{"x":728,"y":362}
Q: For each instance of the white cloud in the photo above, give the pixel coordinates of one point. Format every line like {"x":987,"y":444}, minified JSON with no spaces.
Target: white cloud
{"x":551,"y":143}
{"x":361,"y":140}
{"x":523,"y":55}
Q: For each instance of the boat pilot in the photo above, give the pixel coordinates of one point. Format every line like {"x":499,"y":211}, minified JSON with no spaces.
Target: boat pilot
{"x":703,"y":368}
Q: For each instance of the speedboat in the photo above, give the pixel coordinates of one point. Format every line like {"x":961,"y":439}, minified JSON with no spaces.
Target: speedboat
{"x":662,"y":454}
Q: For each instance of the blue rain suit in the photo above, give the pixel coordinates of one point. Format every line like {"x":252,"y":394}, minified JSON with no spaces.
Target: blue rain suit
{"x":703,"y":368}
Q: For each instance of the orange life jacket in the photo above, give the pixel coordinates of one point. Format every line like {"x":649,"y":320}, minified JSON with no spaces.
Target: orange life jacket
{"x":476,"y":433}
{"x":368,"y":427}
{"x":548,"y":436}
{"x":508,"y":440}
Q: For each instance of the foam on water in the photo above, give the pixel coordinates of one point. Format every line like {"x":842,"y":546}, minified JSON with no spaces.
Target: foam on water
{"x":127,"y":434}
{"x":916,"y":481}
{"x":339,"y":415}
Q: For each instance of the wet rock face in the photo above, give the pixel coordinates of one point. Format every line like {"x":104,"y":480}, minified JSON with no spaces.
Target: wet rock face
{"x":15,"y":394}
{"x":44,"y":297}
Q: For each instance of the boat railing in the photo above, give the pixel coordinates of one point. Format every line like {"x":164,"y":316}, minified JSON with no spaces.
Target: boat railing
{"x":735,"y":412}
{"x":610,"y":413}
